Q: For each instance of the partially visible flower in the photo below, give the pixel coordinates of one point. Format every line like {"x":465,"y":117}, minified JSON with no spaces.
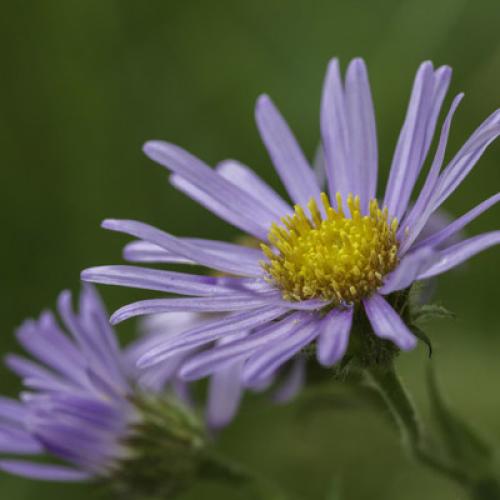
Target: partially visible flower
{"x":333,"y":255}
{"x":225,"y":390}
{"x":76,"y":400}
{"x":80,"y":407}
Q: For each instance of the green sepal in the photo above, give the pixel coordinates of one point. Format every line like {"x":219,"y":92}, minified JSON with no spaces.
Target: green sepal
{"x":421,"y":335}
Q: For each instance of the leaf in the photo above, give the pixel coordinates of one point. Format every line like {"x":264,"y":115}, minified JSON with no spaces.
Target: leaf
{"x":431,"y":311}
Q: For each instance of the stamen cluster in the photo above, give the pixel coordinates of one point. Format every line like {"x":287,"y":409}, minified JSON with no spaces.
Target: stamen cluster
{"x":332,"y":255}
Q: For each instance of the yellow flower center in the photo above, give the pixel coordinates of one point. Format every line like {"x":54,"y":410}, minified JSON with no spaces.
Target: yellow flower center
{"x":339,"y":258}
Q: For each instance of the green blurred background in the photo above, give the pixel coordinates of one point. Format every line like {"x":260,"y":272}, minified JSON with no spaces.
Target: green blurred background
{"x":84,"y":83}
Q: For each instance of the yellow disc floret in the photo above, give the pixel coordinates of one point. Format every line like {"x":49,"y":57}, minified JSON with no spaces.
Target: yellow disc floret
{"x":337,"y":257}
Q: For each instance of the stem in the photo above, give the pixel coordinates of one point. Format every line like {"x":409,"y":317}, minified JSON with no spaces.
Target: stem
{"x":398,"y":402}
{"x":403,"y":411}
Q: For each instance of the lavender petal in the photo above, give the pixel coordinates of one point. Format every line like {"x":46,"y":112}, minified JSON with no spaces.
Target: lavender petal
{"x":203,"y":177}
{"x":182,"y":248}
{"x":334,"y":336}
{"x":247,"y":179}
{"x":456,"y":254}
{"x":387,"y":324}
{"x":362,"y":135}
{"x":408,"y":270}
{"x":207,"y":362}
{"x":210,"y":331}
{"x":289,"y":160}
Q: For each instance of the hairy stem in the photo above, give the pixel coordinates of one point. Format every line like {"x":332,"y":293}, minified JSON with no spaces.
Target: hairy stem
{"x":403,"y":411}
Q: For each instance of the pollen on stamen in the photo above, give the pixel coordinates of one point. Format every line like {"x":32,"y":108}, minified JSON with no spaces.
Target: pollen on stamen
{"x":329,"y":254}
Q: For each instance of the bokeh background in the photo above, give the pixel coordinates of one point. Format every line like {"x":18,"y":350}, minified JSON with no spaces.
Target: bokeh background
{"x":84,"y":84}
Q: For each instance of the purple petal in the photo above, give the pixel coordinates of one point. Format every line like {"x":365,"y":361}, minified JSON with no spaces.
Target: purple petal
{"x":210,"y":331}
{"x":408,"y":270}
{"x":143,"y":251}
{"x":19,"y":442}
{"x":362,"y":135}
{"x":293,"y":382}
{"x":182,"y":248}
{"x":319,"y":167}
{"x":207,"y":362}
{"x":247,"y":179}
{"x":287,"y":156}
{"x":11,"y":410}
{"x":224,"y":395}
{"x":35,"y":375}
{"x":39,"y":338}
{"x":334,"y":132}
{"x":466,"y":158}
{"x":456,"y":254}
{"x":387,"y":324}
{"x":224,"y":303}
{"x":156,"y":377}
{"x":417,"y":218}
{"x":269,"y":359}
{"x":154,"y":279}
{"x":203,"y":177}
{"x":229,"y":214}
{"x":437,"y":222}
{"x":95,"y":337}
{"x":33,"y":470}
{"x":458,"y":224}
{"x":427,"y":96}
{"x":334,"y":336}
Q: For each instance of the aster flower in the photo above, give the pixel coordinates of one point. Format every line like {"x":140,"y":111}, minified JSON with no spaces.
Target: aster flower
{"x":75,"y":405}
{"x":334,"y":254}
{"x":80,"y":407}
{"x":225,"y":390}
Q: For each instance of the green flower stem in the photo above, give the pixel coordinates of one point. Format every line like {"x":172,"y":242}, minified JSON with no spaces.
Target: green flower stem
{"x":402,"y":409}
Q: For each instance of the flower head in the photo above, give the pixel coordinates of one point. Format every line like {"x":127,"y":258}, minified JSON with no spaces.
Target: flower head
{"x":81,"y":407}
{"x":75,"y":405}
{"x":335,"y":256}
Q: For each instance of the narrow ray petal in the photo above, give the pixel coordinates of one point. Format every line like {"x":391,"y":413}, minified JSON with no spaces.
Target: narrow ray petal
{"x":203,"y":177}
{"x":289,"y":160}
{"x":210,"y":331}
{"x":206,"y":362}
{"x":387,"y":324}
{"x":334,"y":336}
{"x":225,"y":303}
{"x":247,"y":179}
{"x":362,"y":132}
{"x":183,"y":248}
{"x":458,"y":224}
{"x":456,"y":254}
{"x":408,"y":270}
{"x":154,"y":279}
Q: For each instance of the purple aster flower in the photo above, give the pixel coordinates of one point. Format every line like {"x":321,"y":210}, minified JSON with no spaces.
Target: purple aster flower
{"x":81,"y":406}
{"x":225,"y":390}
{"x":75,"y":405}
{"x":333,"y":254}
